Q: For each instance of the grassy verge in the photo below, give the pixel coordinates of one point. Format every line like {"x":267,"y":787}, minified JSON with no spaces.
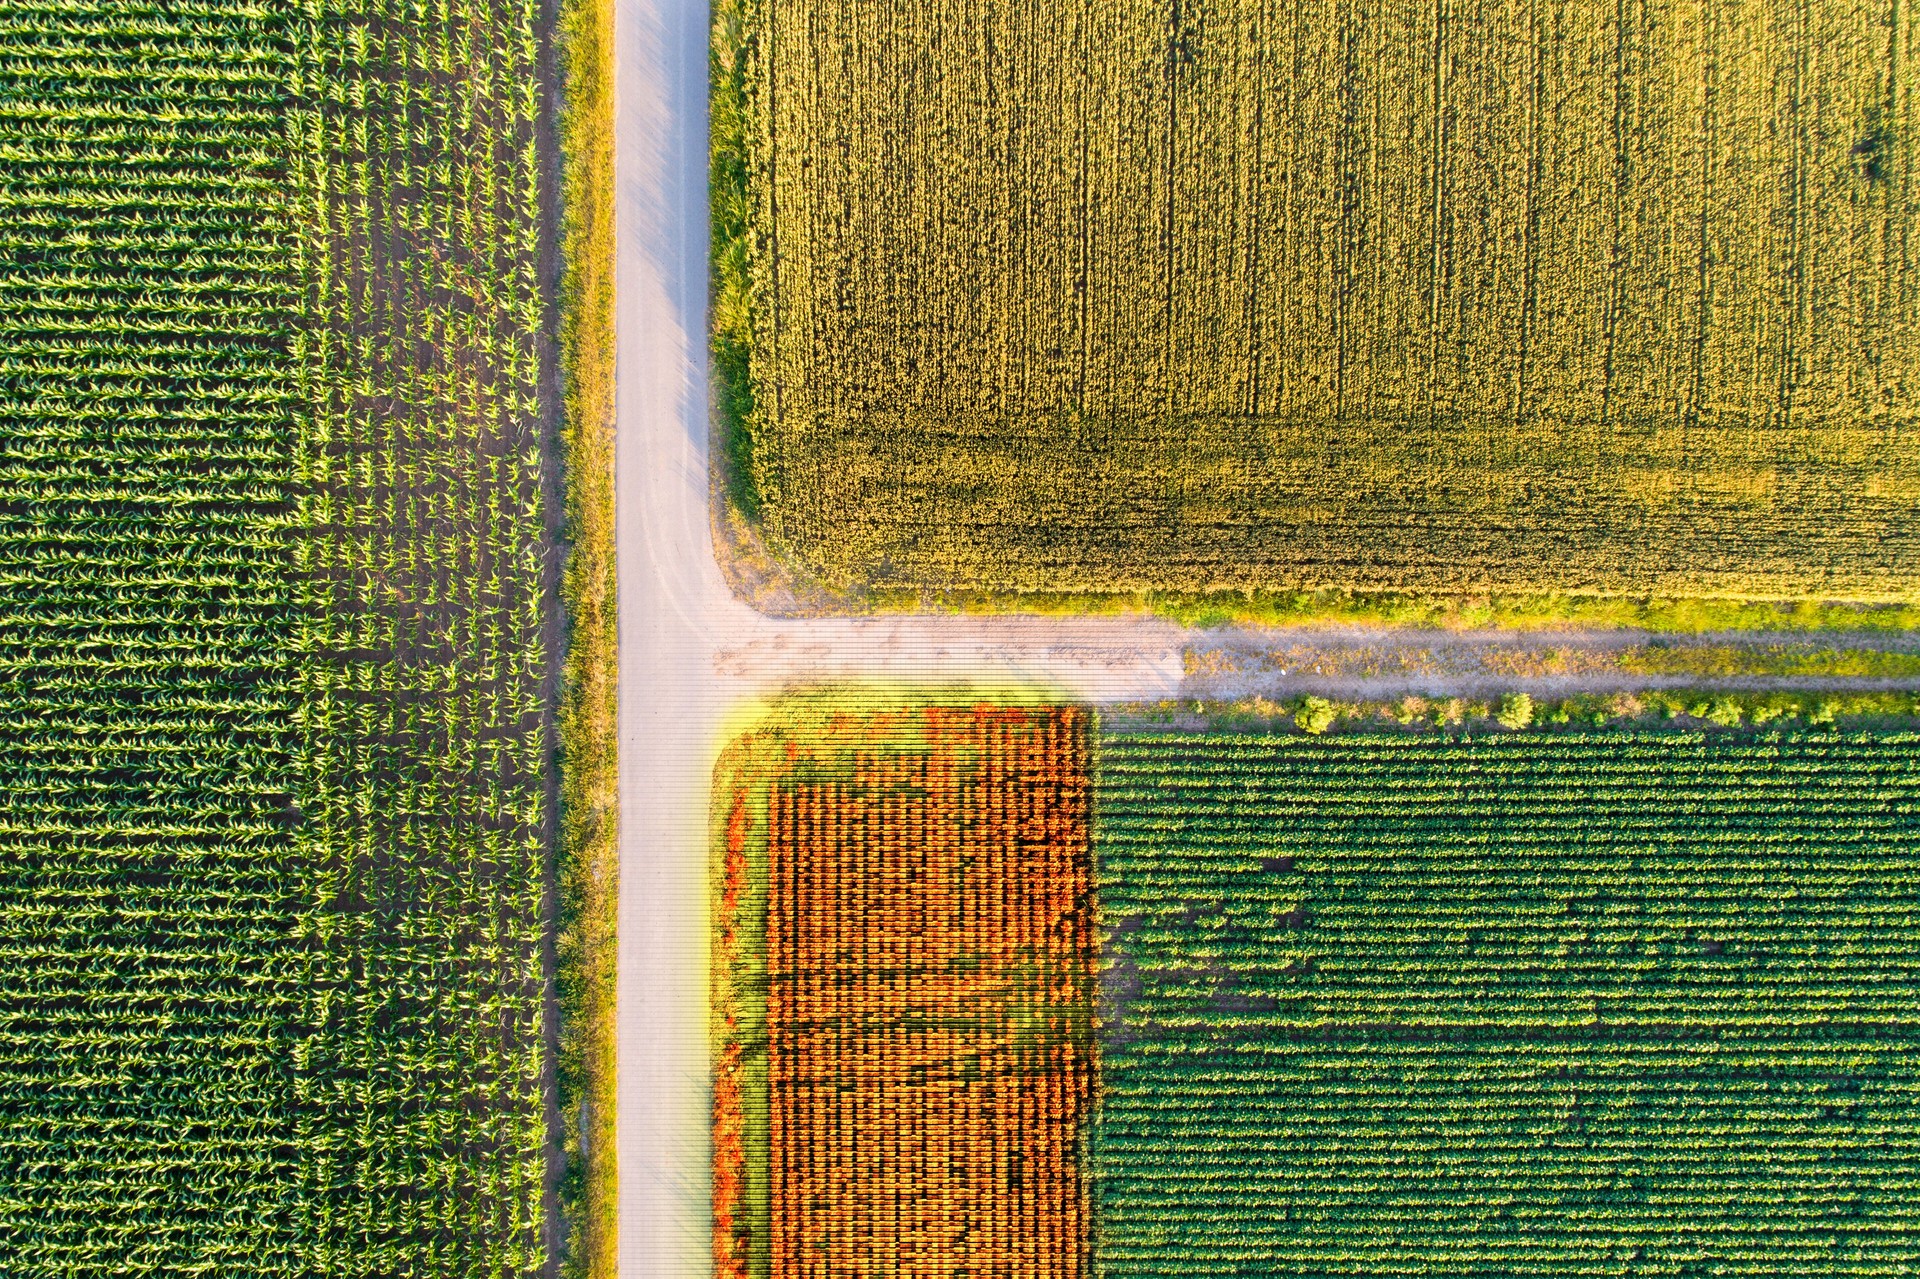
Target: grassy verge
{"x":731,"y":282}
{"x":1737,"y":660}
{"x":589,"y":873}
{"x":739,"y":895}
{"x":1698,"y":708}
{"x":1438,"y":612}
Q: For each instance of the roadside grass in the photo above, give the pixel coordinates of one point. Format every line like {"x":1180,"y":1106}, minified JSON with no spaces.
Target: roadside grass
{"x":731,"y":280}
{"x":1703,"y":707}
{"x":1737,"y":660}
{"x":738,"y":891}
{"x":589,"y":776}
{"x":1414,"y":609}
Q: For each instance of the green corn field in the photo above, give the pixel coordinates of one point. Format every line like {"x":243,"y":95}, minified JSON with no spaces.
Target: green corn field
{"x":1077,"y":296}
{"x":277,"y":637}
{"x":1521,"y":1004}
{"x":1110,"y":295}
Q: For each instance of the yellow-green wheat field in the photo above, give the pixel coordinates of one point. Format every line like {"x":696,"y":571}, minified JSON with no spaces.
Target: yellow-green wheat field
{"x":1449,"y":296}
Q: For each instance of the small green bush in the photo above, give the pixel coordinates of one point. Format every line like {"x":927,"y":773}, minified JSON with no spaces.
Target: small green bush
{"x":1515,"y":712}
{"x":1316,"y":715}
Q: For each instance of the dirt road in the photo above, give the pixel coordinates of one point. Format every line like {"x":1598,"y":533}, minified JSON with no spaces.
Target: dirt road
{"x":691,"y":655}
{"x":692,"y":658}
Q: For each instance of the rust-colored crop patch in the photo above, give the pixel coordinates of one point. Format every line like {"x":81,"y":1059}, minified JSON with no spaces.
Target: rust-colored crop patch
{"x":927,"y":944}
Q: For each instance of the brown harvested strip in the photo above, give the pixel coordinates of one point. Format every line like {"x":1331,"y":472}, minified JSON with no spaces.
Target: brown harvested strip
{"x":929,"y":968}
{"x":729,"y":1168}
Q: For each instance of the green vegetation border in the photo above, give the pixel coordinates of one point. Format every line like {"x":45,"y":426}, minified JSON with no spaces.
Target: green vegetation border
{"x":1438,"y":612}
{"x":1638,"y":710}
{"x":738,"y":1011}
{"x":589,"y":871}
{"x":729,"y":55}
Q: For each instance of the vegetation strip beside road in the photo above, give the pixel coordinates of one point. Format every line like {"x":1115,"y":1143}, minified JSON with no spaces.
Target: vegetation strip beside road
{"x":731,"y":318}
{"x":1641,"y":709}
{"x":589,"y":852}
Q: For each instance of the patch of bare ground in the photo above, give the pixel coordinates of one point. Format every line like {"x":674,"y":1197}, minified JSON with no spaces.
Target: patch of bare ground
{"x":1370,"y":663}
{"x":759,"y":578}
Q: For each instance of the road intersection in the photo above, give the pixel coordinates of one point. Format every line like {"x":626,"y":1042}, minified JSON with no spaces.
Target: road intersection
{"x":694,"y":659}
{"x":692,"y":656}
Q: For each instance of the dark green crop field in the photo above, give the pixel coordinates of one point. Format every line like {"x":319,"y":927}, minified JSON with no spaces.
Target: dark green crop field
{"x":1122,"y":295}
{"x":150,"y":896}
{"x":1550,"y":1004}
{"x":276,"y":636}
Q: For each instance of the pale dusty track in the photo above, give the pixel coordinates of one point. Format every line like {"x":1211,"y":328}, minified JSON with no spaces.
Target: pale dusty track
{"x":690,"y":654}
{"x":692,"y":658}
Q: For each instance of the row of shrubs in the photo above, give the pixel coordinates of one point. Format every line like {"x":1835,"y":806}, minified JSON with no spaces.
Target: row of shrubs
{"x":1516,"y":712}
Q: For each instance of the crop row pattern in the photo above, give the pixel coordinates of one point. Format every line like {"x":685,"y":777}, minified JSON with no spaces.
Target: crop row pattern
{"x":1522,"y":1004}
{"x":148,"y":972}
{"x":928,"y":978}
{"x":424,"y":560}
{"x":275,"y":603}
{"x":1412,"y":296}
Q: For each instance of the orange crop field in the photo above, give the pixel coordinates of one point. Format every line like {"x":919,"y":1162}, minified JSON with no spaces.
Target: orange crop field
{"x":927,"y":950}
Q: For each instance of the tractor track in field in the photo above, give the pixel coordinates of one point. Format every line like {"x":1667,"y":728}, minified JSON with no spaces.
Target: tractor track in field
{"x":694,"y":659}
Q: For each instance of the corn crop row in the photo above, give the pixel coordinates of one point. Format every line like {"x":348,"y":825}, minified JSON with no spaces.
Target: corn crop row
{"x":421,"y":554}
{"x":274,"y":607}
